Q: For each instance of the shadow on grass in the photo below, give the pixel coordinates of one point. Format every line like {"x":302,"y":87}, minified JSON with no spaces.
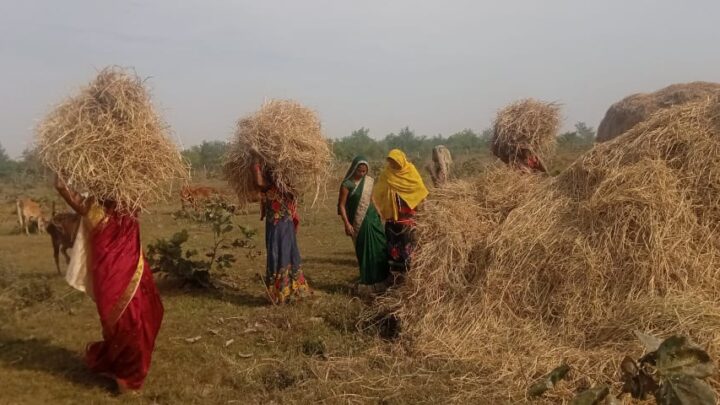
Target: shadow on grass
{"x":235,"y":296}
{"x":344,"y":261}
{"x":241,"y":298}
{"x":43,"y":356}
{"x":39,"y":275}
{"x":330,"y":287}
{"x":344,"y":253}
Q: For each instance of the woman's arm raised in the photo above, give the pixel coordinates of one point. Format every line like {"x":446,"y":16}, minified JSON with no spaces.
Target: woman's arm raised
{"x":74,"y":200}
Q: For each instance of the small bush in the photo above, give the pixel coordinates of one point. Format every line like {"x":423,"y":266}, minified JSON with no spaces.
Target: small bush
{"x":170,"y":257}
{"x":314,"y":347}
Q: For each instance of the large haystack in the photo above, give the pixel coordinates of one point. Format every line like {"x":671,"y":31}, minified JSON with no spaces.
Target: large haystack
{"x":526,"y":125}
{"x":636,"y":108}
{"x":286,"y":137}
{"x":519,"y":273}
{"x":108,"y":140}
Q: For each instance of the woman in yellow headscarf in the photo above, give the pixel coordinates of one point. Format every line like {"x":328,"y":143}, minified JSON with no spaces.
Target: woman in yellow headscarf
{"x":397,"y":195}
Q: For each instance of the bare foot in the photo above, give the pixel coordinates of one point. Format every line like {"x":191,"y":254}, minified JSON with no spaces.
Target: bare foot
{"x":125,"y":390}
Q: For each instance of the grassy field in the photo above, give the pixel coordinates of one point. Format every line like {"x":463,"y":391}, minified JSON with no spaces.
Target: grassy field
{"x":248,"y":351}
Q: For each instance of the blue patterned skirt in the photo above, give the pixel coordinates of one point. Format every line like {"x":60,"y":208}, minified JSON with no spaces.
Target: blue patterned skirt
{"x":284,"y":276}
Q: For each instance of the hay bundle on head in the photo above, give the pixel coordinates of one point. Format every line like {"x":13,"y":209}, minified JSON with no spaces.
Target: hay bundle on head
{"x":441,"y":164}
{"x":565,"y":269}
{"x":636,"y":108}
{"x":286,"y":138}
{"x":526,"y":125}
{"x":109,"y":141}
{"x":441,"y":155}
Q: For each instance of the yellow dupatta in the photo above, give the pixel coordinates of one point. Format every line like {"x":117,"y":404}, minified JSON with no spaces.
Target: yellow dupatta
{"x":404,"y":182}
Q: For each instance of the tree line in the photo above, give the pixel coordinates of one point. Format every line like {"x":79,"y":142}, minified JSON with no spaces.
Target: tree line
{"x":208,"y":155}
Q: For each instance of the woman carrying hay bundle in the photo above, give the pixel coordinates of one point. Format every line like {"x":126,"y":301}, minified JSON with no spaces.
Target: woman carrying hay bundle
{"x":279,"y":151}
{"x":363,"y":224}
{"x":518,"y":156}
{"x":284,"y":277}
{"x":526,"y":161}
{"x":440,"y":167}
{"x":398,"y":193}
{"x":108,"y":141}
{"x":523,"y":132}
{"x":122,"y":285}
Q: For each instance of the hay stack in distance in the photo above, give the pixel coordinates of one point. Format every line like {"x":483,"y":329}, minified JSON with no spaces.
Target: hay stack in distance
{"x":108,"y":140}
{"x":442,"y":157}
{"x":286,"y":137}
{"x":631,"y":110}
{"x":440,"y":167}
{"x":527,"y":124}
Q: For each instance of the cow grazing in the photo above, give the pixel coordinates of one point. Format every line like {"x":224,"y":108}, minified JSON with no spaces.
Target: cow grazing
{"x":62,"y":228}
{"x":29,"y":212}
{"x":194,"y":196}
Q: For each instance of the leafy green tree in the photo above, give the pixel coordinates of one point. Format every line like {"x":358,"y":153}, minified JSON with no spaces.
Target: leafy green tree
{"x":486,"y":136}
{"x":7,"y":165}
{"x":30,"y":165}
{"x":416,"y":147}
{"x":358,"y":143}
{"x":207,"y":156}
{"x":4,"y":158}
{"x":192,"y":155}
{"x":465,"y":141}
{"x":584,"y":132}
{"x":583,"y":136}
{"x":211,"y":154}
{"x":407,"y":141}
{"x":568,"y":138}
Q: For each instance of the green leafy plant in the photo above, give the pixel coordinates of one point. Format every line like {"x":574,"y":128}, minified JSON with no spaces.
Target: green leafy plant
{"x":314,"y":347}
{"x":216,"y":203}
{"x":168,"y":255}
{"x":592,"y":396}
{"x":673,"y":372}
{"x":548,"y":382}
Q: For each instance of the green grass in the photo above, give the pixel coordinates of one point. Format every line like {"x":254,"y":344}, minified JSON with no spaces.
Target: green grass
{"x":276,"y":353}
{"x":45,"y":324}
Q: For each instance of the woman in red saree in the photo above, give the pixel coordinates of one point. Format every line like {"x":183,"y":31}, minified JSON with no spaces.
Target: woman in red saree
{"x":121,"y":283}
{"x":520,"y":157}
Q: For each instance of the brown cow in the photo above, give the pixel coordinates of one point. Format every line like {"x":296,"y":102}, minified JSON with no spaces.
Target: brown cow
{"x":63,"y":228}
{"x":193,"y":196}
{"x":28,"y":212}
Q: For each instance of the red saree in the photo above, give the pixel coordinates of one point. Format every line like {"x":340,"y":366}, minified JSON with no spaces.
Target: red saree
{"x":127,"y":301}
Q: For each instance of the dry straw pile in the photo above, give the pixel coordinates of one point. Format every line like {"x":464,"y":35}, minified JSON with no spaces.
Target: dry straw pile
{"x":636,"y":108}
{"x":286,"y":138}
{"x":525,"y":125}
{"x":517,"y":273}
{"x":108,"y":140}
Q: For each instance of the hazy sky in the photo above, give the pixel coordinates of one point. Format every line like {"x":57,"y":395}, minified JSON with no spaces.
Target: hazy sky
{"x":437,"y":66}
